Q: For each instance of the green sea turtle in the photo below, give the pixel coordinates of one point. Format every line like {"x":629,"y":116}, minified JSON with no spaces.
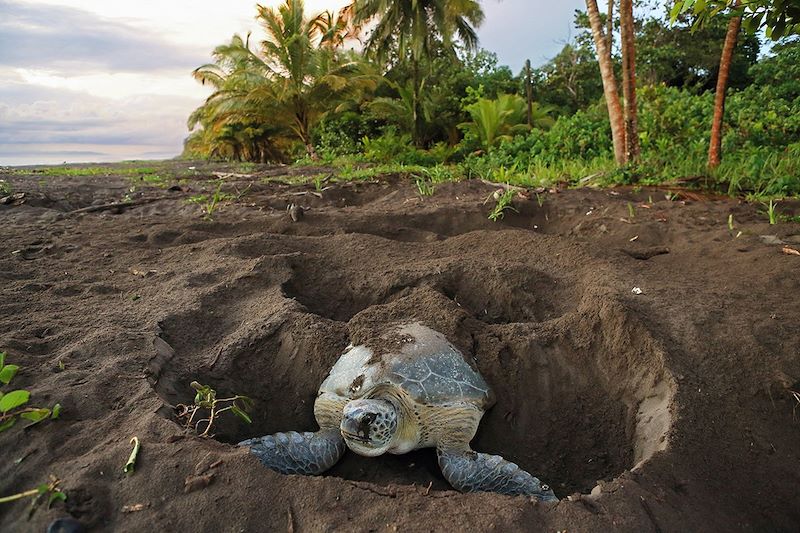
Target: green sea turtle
{"x":415,"y":392}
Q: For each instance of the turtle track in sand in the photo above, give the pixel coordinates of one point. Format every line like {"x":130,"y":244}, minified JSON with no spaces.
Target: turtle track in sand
{"x":583,"y":389}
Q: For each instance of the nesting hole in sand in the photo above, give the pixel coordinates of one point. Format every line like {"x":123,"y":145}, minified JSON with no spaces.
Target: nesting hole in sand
{"x":579,"y":401}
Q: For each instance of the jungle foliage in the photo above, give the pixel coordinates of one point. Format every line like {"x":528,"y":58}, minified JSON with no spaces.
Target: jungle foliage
{"x":421,"y":93}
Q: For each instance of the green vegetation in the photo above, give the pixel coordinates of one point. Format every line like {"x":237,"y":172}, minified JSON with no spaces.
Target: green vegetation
{"x":210,"y":203}
{"x":207,"y":408}
{"x":422,"y":101}
{"x":131,"y":463}
{"x":772,"y":212}
{"x":12,"y":403}
{"x":46,"y":491}
{"x":503,"y":204}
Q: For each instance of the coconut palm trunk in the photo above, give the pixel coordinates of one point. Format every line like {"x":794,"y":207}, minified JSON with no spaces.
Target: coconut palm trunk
{"x":610,"y":89}
{"x":715,"y":148}
{"x":629,"y":80}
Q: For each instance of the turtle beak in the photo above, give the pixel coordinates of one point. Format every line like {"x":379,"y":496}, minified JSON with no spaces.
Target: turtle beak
{"x":352,"y":429}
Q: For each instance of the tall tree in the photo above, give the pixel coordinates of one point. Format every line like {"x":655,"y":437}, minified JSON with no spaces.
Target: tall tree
{"x":610,"y":89}
{"x":416,"y":30}
{"x":777,"y":17}
{"x":629,"y":80}
{"x":288,"y":87}
{"x":715,"y":146}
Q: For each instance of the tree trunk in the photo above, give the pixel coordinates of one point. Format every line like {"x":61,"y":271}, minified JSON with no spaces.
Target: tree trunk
{"x":715,"y":148}
{"x":609,"y":82}
{"x":417,"y":103}
{"x":629,"y":80}
{"x":610,"y":26}
{"x":529,"y":91}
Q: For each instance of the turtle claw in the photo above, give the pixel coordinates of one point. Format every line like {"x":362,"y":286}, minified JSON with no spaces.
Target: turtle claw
{"x":469,"y":471}
{"x":307,"y":453}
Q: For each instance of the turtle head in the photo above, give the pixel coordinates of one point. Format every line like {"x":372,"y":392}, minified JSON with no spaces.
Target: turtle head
{"x":368,"y":426}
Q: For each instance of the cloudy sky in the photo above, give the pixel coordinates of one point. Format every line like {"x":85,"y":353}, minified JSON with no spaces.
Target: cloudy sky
{"x":107,"y":80}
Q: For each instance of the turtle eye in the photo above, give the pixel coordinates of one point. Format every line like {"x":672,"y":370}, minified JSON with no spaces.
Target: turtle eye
{"x":368,"y":418}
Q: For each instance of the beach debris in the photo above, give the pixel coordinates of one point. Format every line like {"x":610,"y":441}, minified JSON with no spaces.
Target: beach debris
{"x":135,"y":507}
{"x":295,"y":212}
{"x":637,"y":290}
{"x":790,"y":251}
{"x":129,"y":466}
{"x":193,"y":483}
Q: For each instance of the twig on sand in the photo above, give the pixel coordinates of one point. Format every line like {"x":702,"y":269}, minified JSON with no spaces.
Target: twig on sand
{"x":505,"y":186}
{"x":650,"y":514}
{"x":796,"y":396}
{"x":117,"y":205}
{"x":790,"y":251}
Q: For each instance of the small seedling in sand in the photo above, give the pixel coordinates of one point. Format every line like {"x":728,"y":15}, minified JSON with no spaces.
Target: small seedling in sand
{"x":631,"y":211}
{"x":46,"y":491}
{"x":730,"y":222}
{"x":424,"y":187}
{"x":772,"y":212}
{"x":671,"y":196}
{"x":539,"y":200}
{"x":12,"y":402}
{"x":207,"y":405}
{"x":503,"y":203}
{"x":209,"y":204}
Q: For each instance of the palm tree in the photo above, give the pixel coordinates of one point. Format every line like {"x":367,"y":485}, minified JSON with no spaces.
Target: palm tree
{"x":715,"y":147}
{"x":307,"y":79}
{"x":609,"y":81}
{"x":416,"y":30}
{"x":231,"y":127}
{"x":286,"y":89}
{"x":503,"y":117}
{"x":629,"y":80}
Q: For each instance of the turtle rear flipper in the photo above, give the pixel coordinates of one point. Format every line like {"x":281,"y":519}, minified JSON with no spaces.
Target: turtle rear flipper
{"x":298,"y":453}
{"x":470,"y":471}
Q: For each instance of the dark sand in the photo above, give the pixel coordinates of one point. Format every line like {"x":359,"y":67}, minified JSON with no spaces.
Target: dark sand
{"x":665,"y":411}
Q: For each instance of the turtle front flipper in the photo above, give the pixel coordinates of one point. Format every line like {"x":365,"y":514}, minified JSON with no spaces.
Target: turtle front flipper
{"x":308,"y":454}
{"x":470,"y":471}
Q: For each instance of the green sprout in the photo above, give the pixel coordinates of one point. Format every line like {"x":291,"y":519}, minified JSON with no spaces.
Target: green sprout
{"x":772,"y":212}
{"x":631,"y":211}
{"x":424,"y":187}
{"x":46,"y":491}
{"x":504,"y":202}
{"x":207,"y":404}
{"x":730,"y":222}
{"x":210,"y":203}
{"x":12,"y":403}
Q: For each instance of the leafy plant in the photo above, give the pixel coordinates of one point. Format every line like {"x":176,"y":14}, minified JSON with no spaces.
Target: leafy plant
{"x":772,"y":212}
{"x":12,"y":402}
{"x":209,"y":407}
{"x":424,"y":187}
{"x":46,"y":491}
{"x":502,"y":118}
{"x":5,"y":188}
{"x":209,"y":203}
{"x":631,"y":211}
{"x":504,"y":203}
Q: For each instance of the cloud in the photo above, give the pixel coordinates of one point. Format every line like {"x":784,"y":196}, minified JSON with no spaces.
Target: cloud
{"x":44,"y":124}
{"x":527,"y":29}
{"x":68,"y":39}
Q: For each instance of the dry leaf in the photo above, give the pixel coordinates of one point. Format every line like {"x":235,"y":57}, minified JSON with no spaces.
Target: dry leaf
{"x":135,"y":507}
{"x":194,"y":483}
{"x":790,"y":251}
